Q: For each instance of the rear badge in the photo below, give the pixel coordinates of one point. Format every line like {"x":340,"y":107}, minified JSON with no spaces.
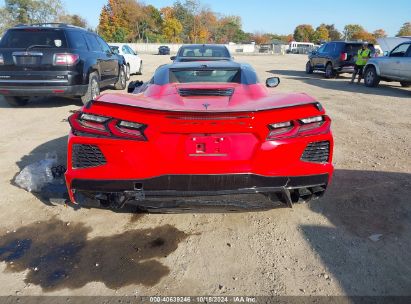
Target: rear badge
{"x":206,"y":105}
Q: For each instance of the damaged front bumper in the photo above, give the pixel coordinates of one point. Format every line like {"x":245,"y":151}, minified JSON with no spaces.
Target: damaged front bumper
{"x":117,"y":193}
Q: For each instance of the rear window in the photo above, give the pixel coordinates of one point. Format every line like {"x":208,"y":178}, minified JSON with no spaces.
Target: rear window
{"x":352,"y":48}
{"x":204,"y":51}
{"x":24,"y":38}
{"x":205,"y":75}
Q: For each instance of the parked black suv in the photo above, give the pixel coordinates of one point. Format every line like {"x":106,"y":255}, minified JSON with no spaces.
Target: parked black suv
{"x":335,"y":57}
{"x":56,"y":59}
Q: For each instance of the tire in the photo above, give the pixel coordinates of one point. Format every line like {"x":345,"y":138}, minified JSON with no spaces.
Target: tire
{"x":329,"y":71}
{"x":16,"y":101}
{"x":309,"y":68}
{"x":121,"y":83}
{"x":128,"y":72}
{"x":140,"y":70}
{"x":405,"y":84}
{"x":371,"y":79}
{"x":93,"y":89}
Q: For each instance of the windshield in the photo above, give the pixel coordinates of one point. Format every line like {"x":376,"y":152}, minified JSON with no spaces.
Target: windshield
{"x":206,"y":75}
{"x":24,"y":38}
{"x":204,"y":51}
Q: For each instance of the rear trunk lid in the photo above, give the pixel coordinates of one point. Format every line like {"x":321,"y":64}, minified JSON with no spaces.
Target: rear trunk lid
{"x":28,"y":53}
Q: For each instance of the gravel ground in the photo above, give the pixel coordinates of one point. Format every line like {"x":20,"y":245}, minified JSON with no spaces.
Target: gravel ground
{"x":321,"y":248}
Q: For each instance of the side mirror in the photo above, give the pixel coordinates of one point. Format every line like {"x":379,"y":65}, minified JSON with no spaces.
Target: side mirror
{"x":314,"y":53}
{"x":173,"y":58}
{"x":272,"y":82}
{"x":133,"y":85}
{"x":386,"y":53}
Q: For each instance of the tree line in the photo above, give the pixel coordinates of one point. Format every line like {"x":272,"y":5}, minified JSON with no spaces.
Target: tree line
{"x":186,"y":21}
{"x":36,"y":11}
{"x":327,"y":32}
{"x":191,"y":22}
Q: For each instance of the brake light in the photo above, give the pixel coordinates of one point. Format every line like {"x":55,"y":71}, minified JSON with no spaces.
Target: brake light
{"x":90,"y":124}
{"x":127,"y":129}
{"x":1,"y":59}
{"x":344,"y":56}
{"x":282,"y":129}
{"x":314,"y":125}
{"x":303,"y":127}
{"x":65,"y":59}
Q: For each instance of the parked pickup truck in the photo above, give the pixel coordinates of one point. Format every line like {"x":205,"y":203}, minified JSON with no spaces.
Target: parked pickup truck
{"x":396,"y":66}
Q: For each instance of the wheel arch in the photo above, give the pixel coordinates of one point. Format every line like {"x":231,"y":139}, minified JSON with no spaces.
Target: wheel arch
{"x":376,"y":67}
{"x":91,"y":69}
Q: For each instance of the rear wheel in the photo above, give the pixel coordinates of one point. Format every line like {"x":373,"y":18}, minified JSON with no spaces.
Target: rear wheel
{"x":405,"y":84}
{"x":122,"y":81}
{"x":371,"y":79}
{"x":329,"y":71}
{"x":93,"y":89}
{"x":309,"y":68}
{"x":16,"y":101}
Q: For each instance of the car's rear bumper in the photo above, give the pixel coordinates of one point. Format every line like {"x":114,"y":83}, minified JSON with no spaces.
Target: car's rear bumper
{"x":346,"y":69}
{"x":23,"y":90}
{"x":193,"y":185}
{"x":288,"y":188}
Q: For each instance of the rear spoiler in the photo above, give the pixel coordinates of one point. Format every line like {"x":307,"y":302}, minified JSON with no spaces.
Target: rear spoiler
{"x":155,"y":105}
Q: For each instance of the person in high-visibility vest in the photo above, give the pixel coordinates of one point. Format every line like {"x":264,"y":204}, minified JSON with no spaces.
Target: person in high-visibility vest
{"x":362,"y":57}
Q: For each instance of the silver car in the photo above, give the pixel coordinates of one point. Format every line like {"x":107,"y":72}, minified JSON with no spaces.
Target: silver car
{"x":396,"y":66}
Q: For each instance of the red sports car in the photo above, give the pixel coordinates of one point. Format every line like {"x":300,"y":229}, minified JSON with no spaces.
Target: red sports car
{"x":199,"y":129}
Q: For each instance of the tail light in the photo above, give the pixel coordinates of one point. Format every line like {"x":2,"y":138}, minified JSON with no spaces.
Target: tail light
{"x":127,"y":129}
{"x":344,"y":56}
{"x":314,"y":125}
{"x":302,"y":127}
{"x":282,"y":129}
{"x":1,"y":59}
{"x":66,"y":59}
{"x":102,"y":126}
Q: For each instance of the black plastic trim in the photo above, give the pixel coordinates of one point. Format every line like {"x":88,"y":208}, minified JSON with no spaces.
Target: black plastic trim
{"x":203,"y":184}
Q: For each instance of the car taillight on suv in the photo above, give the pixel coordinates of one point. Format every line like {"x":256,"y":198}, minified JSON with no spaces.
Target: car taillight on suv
{"x":1,"y":59}
{"x":65,"y":59}
{"x":344,"y":56}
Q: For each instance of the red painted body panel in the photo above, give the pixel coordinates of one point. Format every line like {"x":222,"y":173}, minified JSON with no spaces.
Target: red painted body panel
{"x":230,"y":137}
{"x":246,"y":98}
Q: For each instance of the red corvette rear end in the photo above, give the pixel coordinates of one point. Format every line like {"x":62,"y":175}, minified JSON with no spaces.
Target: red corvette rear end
{"x":189,"y":139}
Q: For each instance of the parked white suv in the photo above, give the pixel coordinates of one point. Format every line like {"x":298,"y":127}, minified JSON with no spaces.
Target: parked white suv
{"x":134,"y":63}
{"x":396,"y":66}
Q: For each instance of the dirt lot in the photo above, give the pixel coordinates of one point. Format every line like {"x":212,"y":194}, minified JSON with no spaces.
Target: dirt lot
{"x":322,"y":248}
